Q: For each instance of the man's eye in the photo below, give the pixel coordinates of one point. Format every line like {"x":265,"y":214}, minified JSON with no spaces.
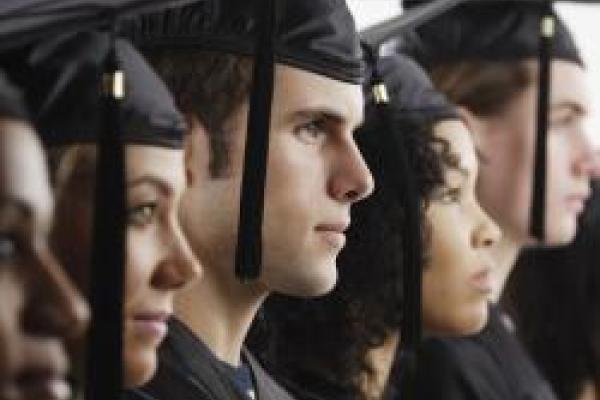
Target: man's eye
{"x":563,"y":121}
{"x":311,"y":132}
{"x":142,"y":214}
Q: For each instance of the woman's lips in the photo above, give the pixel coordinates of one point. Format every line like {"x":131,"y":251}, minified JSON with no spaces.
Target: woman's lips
{"x":151,"y":324}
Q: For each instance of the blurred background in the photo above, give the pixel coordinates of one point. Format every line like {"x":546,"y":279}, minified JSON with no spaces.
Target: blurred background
{"x":583,"y":20}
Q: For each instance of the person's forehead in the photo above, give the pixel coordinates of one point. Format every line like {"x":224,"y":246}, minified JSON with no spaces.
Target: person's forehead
{"x":23,"y":173}
{"x":158,"y":166}
{"x":569,"y":84}
{"x":460,"y":140}
{"x":297,"y":90}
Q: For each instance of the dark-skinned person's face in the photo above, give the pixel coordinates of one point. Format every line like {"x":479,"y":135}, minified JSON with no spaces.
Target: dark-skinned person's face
{"x":158,"y":260}
{"x":457,"y":279}
{"x":40,"y":307}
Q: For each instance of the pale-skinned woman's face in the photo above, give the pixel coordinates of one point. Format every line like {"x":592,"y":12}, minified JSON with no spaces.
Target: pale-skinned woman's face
{"x":158,"y":260}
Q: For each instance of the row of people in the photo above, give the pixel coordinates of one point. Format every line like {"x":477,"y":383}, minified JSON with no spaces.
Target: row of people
{"x":366,"y":159}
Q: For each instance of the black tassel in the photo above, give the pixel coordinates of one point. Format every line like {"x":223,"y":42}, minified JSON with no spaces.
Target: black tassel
{"x":104,"y":368}
{"x":248,"y":255}
{"x":538,"y":200}
{"x":404,"y":182}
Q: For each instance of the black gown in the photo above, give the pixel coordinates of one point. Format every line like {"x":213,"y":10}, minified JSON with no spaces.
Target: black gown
{"x":188,"y":370}
{"x":491,"y":365}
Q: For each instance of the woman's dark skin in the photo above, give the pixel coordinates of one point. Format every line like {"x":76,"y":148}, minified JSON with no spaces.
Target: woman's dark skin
{"x":40,"y":307}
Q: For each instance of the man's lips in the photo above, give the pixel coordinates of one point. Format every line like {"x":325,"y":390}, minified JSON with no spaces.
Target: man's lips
{"x":333,"y":233}
{"x":576,"y":202}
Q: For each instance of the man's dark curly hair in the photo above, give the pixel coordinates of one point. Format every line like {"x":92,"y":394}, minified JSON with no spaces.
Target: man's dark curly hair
{"x":554,"y":297}
{"x":321,"y":344}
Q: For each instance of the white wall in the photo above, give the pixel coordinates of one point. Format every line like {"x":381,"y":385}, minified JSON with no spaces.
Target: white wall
{"x":584,"y":21}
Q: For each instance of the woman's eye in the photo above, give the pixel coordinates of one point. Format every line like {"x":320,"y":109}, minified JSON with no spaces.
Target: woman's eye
{"x":311,"y":132}
{"x":450,"y":195}
{"x":8,"y":247}
{"x":142,"y":214}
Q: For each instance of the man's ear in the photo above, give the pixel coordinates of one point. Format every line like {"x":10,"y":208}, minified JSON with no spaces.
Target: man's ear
{"x":473,"y":123}
{"x":195,"y":149}
{"x":476,"y":125}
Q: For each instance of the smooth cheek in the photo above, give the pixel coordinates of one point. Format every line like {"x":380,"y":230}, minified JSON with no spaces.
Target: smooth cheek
{"x":296,"y":261}
{"x":561,"y":224}
{"x":449,"y":306}
{"x":504,"y":182}
{"x":140,"y":352}
{"x":73,"y":225}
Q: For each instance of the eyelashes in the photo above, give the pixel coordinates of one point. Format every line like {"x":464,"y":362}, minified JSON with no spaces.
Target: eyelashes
{"x":142,"y":214}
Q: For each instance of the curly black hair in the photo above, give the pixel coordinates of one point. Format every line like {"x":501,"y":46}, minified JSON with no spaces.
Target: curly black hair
{"x":320,"y":345}
{"x":554,"y":297}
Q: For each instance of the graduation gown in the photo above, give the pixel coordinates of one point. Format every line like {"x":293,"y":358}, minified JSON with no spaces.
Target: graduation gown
{"x":188,"y":370}
{"x":492,"y":365}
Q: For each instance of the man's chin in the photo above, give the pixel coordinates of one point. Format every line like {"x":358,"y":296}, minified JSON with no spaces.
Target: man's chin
{"x":562,"y":235}
{"x":317,"y":284}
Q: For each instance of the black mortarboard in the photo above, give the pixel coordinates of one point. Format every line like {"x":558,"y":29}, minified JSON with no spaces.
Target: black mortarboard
{"x":26,"y":21}
{"x":91,"y":87}
{"x":491,"y":30}
{"x":64,"y":89}
{"x":318,"y":36}
{"x":12,"y":104}
{"x":411,"y":91}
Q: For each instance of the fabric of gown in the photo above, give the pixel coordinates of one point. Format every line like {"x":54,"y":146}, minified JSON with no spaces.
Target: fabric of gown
{"x":492,"y":365}
{"x":188,"y":370}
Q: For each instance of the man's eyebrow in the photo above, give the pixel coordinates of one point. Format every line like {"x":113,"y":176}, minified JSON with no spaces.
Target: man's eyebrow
{"x":162,"y":185}
{"x":321,"y":113}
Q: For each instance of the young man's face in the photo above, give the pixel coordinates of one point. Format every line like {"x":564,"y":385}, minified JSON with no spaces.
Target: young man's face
{"x":507,"y":142}
{"x":314,"y":174}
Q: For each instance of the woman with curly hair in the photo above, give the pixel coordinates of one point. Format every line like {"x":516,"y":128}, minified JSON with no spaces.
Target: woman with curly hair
{"x":484,"y":57}
{"x":554,"y":298}
{"x":343,"y":346}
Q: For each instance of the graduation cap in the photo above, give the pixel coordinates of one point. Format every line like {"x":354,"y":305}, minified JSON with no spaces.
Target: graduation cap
{"x":12,"y":105}
{"x":318,"y":36}
{"x":501,"y":30}
{"x":23,"y":24}
{"x":71,"y":97}
{"x":67,"y":73}
{"x":26,"y":21}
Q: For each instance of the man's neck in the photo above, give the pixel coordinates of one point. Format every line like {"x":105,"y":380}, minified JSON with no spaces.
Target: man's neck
{"x":504,"y":255}
{"x":219,"y":310}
